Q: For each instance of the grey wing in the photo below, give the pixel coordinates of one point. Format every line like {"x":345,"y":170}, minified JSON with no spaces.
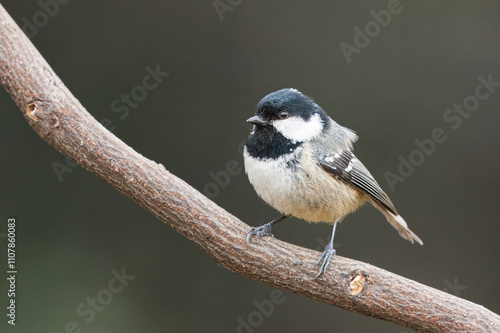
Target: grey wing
{"x":348,"y":169}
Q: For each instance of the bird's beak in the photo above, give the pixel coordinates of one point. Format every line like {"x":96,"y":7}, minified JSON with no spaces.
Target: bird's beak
{"x":257,"y":120}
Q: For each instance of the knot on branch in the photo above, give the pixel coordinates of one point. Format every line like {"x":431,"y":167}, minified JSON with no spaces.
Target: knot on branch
{"x":42,"y":116}
{"x":31,"y":111}
{"x":357,"y":283}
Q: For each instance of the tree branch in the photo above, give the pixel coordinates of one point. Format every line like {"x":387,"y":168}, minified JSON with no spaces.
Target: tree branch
{"x":59,"y":118}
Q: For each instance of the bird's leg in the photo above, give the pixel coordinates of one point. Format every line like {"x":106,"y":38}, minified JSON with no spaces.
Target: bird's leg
{"x":327,"y":254}
{"x":264,"y":230}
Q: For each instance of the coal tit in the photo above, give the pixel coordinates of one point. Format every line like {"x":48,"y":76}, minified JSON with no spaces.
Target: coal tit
{"x":300,"y":161}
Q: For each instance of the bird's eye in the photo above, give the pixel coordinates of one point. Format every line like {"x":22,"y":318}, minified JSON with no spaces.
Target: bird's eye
{"x":283,"y":115}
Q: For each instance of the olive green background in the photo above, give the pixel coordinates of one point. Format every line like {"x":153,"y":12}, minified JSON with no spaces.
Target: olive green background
{"x":72,"y":233}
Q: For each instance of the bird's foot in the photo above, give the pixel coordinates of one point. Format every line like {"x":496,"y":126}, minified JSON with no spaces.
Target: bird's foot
{"x":325,"y":258}
{"x":263,"y":230}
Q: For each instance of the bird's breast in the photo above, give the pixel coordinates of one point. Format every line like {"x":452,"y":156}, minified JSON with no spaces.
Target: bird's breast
{"x":296,"y":185}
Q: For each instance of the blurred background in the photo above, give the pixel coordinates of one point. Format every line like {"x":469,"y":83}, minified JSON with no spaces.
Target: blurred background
{"x":388,"y":70}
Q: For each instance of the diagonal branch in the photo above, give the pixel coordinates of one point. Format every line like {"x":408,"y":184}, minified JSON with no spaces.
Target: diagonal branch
{"x":59,"y":118}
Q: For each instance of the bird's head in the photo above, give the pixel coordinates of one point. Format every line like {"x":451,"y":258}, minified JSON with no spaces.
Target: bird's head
{"x":290,"y":113}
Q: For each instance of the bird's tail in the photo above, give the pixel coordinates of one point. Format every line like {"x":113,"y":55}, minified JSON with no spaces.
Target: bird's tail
{"x":400,"y":225}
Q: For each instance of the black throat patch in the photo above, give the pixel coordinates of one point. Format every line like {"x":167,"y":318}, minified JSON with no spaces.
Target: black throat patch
{"x":266,"y":142}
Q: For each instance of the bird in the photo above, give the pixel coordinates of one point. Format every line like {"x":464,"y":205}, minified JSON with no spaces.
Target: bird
{"x":301,"y":162}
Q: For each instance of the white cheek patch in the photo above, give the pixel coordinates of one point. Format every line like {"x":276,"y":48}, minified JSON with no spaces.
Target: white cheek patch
{"x":297,"y":130}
